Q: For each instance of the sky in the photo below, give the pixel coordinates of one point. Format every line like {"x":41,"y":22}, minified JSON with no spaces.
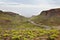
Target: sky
{"x":28,"y":8}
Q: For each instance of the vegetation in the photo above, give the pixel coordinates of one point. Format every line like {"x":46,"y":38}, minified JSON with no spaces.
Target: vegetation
{"x":48,"y":17}
{"x":28,"y":34}
{"x":17,"y":27}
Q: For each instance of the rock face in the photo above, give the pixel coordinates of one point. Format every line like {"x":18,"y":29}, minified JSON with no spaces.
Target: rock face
{"x":48,"y":17}
{"x":51,"y":12}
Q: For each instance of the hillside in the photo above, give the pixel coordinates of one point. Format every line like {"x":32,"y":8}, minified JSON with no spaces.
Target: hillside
{"x":16,"y":27}
{"x":48,"y":17}
{"x":10,"y":19}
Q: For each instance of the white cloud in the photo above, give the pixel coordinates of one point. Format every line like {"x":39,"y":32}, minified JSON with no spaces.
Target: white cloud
{"x":26,"y":9}
{"x":43,"y":4}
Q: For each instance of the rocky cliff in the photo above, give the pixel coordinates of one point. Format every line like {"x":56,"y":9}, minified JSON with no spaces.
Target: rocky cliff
{"x":51,"y":12}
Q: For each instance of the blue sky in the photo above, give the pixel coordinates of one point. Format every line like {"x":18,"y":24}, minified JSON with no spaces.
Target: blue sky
{"x":28,"y":7}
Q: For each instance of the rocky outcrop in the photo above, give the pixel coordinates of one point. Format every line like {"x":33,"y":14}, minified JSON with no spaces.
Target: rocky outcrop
{"x":51,"y":12}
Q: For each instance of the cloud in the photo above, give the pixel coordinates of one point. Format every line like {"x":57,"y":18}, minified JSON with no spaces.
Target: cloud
{"x":28,"y":7}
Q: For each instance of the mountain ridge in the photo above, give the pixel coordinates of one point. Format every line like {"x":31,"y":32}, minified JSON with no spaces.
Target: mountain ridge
{"x":48,"y":17}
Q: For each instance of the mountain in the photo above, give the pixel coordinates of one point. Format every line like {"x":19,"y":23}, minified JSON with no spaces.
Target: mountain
{"x":48,"y":17}
{"x":16,"y":27}
{"x":10,"y":19}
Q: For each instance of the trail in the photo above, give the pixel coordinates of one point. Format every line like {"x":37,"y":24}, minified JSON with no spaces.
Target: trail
{"x":39,"y":25}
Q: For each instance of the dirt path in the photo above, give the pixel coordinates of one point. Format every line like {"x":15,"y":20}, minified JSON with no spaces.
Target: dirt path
{"x":39,"y":25}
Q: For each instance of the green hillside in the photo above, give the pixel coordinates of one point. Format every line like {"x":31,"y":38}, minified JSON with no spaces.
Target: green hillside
{"x":16,"y":27}
{"x":10,"y":19}
{"x":48,"y":17}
